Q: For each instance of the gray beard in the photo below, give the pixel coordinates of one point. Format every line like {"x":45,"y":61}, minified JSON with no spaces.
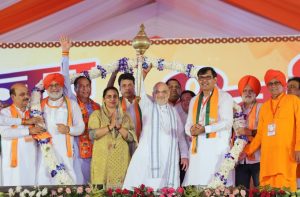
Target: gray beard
{"x":55,"y":95}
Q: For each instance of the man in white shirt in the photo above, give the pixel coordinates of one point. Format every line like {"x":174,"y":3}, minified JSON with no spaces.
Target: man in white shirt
{"x":209,"y":124}
{"x":63,"y":120}
{"x":155,"y":161}
{"x":18,"y":147}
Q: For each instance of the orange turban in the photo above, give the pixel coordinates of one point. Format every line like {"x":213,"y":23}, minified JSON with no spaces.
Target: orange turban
{"x":250,"y":80}
{"x":59,"y":78}
{"x":275,"y":74}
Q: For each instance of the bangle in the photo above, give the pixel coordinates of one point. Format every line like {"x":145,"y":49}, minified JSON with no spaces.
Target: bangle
{"x":65,"y":53}
{"x":23,"y":121}
{"x":109,"y":128}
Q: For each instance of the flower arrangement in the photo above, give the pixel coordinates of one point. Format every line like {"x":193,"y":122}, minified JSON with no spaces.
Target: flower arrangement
{"x":231,"y":158}
{"x":193,"y":191}
{"x":84,"y":191}
{"x":190,"y":191}
{"x":127,"y":65}
{"x":142,"y":190}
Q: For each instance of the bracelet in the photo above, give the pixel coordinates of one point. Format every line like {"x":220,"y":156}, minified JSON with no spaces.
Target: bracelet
{"x":23,"y":121}
{"x":65,"y":53}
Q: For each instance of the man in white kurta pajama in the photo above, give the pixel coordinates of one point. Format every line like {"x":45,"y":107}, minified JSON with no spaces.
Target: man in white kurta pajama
{"x":155,"y":161}
{"x":210,"y":152}
{"x":56,"y":114}
{"x":18,"y":147}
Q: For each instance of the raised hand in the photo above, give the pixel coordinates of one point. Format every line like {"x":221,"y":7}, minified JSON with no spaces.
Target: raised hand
{"x":65,"y":43}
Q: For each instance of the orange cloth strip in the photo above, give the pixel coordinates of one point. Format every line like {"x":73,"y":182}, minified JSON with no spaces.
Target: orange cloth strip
{"x":85,"y":144}
{"x":68,"y":137}
{"x":14,"y":143}
{"x":251,"y":126}
{"x":213,"y":115}
{"x":25,"y":12}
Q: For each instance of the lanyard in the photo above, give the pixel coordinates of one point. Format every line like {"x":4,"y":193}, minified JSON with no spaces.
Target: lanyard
{"x":277,"y":106}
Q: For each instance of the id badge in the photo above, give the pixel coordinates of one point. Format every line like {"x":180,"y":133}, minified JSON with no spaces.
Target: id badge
{"x":271,"y":129}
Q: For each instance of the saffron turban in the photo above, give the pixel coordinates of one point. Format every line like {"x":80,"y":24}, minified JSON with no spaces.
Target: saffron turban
{"x":275,"y":74}
{"x":250,"y":80}
{"x":57,"y":77}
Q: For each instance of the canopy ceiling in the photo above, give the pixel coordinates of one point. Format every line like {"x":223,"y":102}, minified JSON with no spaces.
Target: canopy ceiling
{"x":44,"y":20}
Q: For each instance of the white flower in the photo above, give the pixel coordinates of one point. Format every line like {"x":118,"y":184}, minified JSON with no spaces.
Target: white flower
{"x":26,"y":191}
{"x":38,"y":194}
{"x":44,"y":191}
{"x":18,"y":189}
{"x":11,"y":192}
{"x":32,"y":193}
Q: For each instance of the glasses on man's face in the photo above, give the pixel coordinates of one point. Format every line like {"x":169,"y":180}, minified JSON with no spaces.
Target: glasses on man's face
{"x":202,"y":78}
{"x":111,"y":97}
{"x":275,"y":83}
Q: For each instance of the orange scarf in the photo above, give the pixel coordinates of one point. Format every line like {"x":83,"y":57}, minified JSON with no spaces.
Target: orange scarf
{"x":138,"y":116}
{"x":211,"y":114}
{"x":14,"y":143}
{"x":251,"y":126}
{"x":69,"y":123}
{"x":85,"y":144}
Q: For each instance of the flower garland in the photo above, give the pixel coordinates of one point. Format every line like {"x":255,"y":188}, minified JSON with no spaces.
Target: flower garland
{"x":231,"y":158}
{"x":57,"y":170}
{"x":127,"y":65}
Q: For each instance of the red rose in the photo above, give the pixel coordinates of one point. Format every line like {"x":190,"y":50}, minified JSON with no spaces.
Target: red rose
{"x":137,"y":191}
{"x":142,"y":187}
{"x":171,"y":190}
{"x":109,"y":192}
{"x":118,"y":191}
{"x":281,"y":192}
{"x":125,"y":191}
{"x":164,"y":190}
{"x":180,"y":190}
{"x":150,"y":190}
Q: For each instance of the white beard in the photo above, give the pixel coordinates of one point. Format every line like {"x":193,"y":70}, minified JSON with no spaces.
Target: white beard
{"x":55,"y":95}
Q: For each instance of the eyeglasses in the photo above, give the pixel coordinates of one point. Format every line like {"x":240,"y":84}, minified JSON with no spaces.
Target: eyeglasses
{"x":276,"y":83}
{"x":201,"y":78}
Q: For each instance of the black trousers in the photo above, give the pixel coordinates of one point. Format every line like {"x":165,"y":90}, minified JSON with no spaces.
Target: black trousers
{"x":244,"y":172}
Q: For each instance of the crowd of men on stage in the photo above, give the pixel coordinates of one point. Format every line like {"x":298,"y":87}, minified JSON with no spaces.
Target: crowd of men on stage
{"x":171,"y":138}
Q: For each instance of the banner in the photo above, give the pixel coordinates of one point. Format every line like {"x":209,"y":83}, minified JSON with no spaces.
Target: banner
{"x":231,"y":57}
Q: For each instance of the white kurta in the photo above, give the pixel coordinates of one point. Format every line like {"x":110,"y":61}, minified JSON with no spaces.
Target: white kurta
{"x":139,"y":170}
{"x":210,"y":151}
{"x":52,"y":117}
{"x":25,"y":171}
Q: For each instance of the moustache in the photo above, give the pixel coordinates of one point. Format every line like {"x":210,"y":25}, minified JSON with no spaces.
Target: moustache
{"x":26,"y":100}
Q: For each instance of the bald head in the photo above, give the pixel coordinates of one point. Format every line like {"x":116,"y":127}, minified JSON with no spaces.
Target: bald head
{"x":19,"y":94}
{"x":161,"y":93}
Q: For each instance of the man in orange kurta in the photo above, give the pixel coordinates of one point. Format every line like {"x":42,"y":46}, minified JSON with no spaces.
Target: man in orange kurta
{"x":278,"y":135}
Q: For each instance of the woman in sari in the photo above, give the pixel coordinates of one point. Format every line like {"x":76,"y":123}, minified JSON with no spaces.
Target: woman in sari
{"x":112,"y":130}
